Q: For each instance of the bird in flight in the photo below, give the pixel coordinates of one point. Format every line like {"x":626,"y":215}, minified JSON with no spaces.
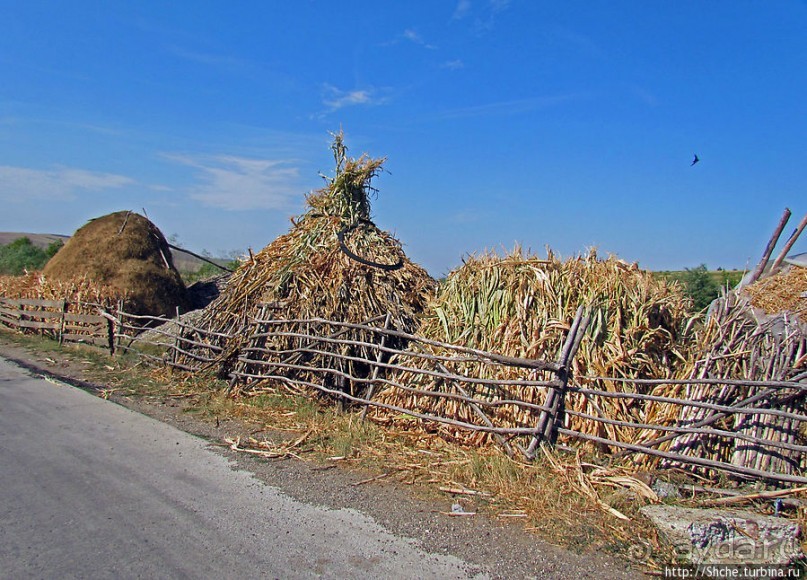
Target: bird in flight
{"x":694,"y":161}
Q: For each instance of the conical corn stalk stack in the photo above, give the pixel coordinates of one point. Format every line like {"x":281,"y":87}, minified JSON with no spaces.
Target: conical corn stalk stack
{"x":306,"y":272}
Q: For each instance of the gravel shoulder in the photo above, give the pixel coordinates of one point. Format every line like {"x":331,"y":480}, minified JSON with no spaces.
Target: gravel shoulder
{"x":499,"y":549}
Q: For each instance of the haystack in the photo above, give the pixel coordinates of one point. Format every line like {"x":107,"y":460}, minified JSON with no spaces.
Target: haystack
{"x":522,"y":306}
{"x":785,"y":291}
{"x":333,"y":264}
{"x":127,"y":253}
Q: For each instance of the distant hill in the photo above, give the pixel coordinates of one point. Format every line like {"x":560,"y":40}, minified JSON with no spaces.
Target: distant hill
{"x":39,"y":240}
{"x":183,"y":261}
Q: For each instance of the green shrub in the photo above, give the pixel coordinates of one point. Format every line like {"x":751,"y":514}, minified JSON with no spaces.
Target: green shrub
{"x":207,"y":270}
{"x":21,"y":255}
{"x":700,"y":286}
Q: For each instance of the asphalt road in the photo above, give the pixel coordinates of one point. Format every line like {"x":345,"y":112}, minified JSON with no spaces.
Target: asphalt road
{"x":89,"y":489}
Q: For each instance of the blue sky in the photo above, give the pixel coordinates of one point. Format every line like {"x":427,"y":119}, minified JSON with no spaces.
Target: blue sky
{"x":569,"y":124}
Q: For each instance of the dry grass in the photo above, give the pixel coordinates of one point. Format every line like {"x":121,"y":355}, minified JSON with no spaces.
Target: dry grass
{"x":563,"y":498}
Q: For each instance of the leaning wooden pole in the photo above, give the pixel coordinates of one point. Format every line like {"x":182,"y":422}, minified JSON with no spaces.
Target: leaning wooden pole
{"x":209,"y":261}
{"x":789,"y":244}
{"x":766,"y":256}
{"x":379,"y":355}
{"x":62,"y":322}
{"x":554,"y":403}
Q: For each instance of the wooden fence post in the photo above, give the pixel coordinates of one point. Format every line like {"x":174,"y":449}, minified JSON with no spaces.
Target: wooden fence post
{"x":546,"y":426}
{"x":110,"y":331}
{"x":766,"y":256}
{"x":118,"y":325}
{"x":374,"y":376}
{"x":175,"y":350}
{"x":62,"y":322}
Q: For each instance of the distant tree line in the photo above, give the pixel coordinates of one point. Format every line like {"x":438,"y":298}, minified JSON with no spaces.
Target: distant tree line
{"x":21,"y":255}
{"x":703,"y":286}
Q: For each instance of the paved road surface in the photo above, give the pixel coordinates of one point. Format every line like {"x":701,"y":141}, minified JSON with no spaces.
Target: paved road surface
{"x":90,"y":489}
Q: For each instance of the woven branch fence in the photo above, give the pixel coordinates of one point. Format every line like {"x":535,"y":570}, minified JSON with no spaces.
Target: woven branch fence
{"x":764,"y":426}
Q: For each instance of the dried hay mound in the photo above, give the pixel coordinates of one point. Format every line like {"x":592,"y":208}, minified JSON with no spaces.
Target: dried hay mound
{"x":785,"y":291}
{"x":309,"y":274}
{"x":522,"y":306}
{"x":128,"y":254}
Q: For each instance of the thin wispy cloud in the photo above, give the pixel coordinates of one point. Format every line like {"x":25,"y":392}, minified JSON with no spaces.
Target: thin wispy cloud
{"x":335,"y":98}
{"x":240,"y":183}
{"x":455,"y":64}
{"x":62,"y":72}
{"x":461,"y":10}
{"x":465,"y":216}
{"x":58,"y":184}
{"x":11,"y":120}
{"x":503,"y":108}
{"x":644,"y":95}
{"x":218,"y":61}
{"x":481,"y":15}
{"x":415,"y":38}
{"x":412,"y":36}
{"x":576,"y":41}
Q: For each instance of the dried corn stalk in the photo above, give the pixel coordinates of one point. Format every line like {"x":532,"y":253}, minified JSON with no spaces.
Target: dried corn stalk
{"x":740,"y":343}
{"x":521,"y":305}
{"x":309,"y":274}
{"x":84,"y":295}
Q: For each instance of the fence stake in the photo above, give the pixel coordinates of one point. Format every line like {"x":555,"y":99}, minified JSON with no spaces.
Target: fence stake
{"x":789,"y":244}
{"x":110,"y":331}
{"x":711,"y":418}
{"x":62,"y":322}
{"x":374,"y":376}
{"x":545,"y":427}
{"x":766,"y":256}
{"x":119,"y":325}
{"x":175,"y":352}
